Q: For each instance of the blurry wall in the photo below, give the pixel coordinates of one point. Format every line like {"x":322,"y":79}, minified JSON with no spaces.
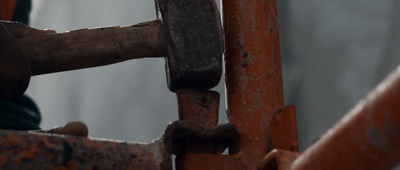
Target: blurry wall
{"x":125,"y":101}
{"x":333,"y":53}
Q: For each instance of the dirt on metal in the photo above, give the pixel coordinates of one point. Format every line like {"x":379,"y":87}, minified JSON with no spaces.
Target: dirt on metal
{"x":26,"y":150}
{"x":253,"y":73}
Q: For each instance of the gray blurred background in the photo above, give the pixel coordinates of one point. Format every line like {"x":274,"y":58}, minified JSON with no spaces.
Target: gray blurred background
{"x":333,"y":53}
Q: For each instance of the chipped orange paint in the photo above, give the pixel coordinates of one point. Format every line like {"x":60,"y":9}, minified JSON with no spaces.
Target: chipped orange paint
{"x":284,"y":129}
{"x":367,"y":137}
{"x":198,"y":106}
{"x":31,"y":153}
{"x":253,"y":73}
{"x":254,"y":88}
{"x":24,"y":150}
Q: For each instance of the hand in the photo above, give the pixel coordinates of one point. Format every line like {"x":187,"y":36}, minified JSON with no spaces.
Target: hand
{"x":15,"y":70}
{"x":74,"y":128}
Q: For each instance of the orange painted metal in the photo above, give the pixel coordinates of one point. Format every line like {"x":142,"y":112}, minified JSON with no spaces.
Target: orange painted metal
{"x":7,"y":9}
{"x":278,"y":159}
{"x":177,"y":132}
{"x":27,"y":150}
{"x":198,"y":106}
{"x":217,"y":162}
{"x":253,"y":73}
{"x":254,"y":92}
{"x":368,"y":137}
{"x":284,"y":129}
{"x":259,"y":122}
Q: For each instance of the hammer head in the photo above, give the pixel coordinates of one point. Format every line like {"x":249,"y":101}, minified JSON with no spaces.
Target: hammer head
{"x":193,"y":34}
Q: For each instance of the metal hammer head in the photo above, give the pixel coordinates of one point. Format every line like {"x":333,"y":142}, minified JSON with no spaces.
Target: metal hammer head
{"x":193,"y":33}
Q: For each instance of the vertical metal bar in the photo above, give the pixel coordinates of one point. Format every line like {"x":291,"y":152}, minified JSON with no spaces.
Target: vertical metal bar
{"x":253,"y":72}
{"x":199,"y":107}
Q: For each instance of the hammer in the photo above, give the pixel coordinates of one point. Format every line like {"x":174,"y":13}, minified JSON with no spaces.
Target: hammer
{"x":189,"y":34}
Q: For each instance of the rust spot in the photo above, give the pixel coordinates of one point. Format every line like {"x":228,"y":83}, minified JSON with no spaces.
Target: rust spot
{"x":244,"y":64}
{"x":245,"y":54}
{"x":271,"y":29}
{"x":240,"y":46}
{"x":68,"y":151}
{"x":44,"y":151}
{"x":204,"y":100}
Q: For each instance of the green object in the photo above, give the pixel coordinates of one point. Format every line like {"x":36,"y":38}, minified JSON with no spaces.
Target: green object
{"x":21,"y":114}
{"x":22,"y":10}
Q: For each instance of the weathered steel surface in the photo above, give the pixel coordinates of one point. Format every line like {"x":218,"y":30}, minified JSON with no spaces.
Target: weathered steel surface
{"x":86,"y":48}
{"x":177,"y":132}
{"x":198,"y":106}
{"x":284,"y":129}
{"x":24,"y":150}
{"x":193,"y":35}
{"x":253,"y":73}
{"x":254,"y":92}
{"x":278,"y":159}
{"x":367,"y":137}
{"x":212,"y":161}
{"x":198,"y":115}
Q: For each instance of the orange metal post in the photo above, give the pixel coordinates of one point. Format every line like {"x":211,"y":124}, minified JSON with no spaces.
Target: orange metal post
{"x":255,"y":104}
{"x":253,"y":73}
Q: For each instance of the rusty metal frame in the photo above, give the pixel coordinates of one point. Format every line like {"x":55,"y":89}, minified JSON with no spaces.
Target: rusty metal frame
{"x":366,"y":138}
{"x":254,"y":90}
{"x":261,"y":132}
{"x":30,"y":150}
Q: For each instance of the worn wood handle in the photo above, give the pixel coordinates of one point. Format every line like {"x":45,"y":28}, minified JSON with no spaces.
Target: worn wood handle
{"x":84,"y":48}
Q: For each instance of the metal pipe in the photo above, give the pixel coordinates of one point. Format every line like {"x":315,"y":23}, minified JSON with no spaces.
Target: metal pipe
{"x":253,"y":73}
{"x":367,"y":137}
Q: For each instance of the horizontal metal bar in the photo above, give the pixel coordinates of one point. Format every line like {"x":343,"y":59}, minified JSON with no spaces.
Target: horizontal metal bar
{"x":27,"y":150}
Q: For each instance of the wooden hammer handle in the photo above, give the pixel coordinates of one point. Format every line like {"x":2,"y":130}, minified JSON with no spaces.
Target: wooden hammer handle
{"x":84,"y":48}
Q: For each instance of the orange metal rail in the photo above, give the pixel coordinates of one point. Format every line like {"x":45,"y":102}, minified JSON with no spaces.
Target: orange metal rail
{"x":367,"y":137}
